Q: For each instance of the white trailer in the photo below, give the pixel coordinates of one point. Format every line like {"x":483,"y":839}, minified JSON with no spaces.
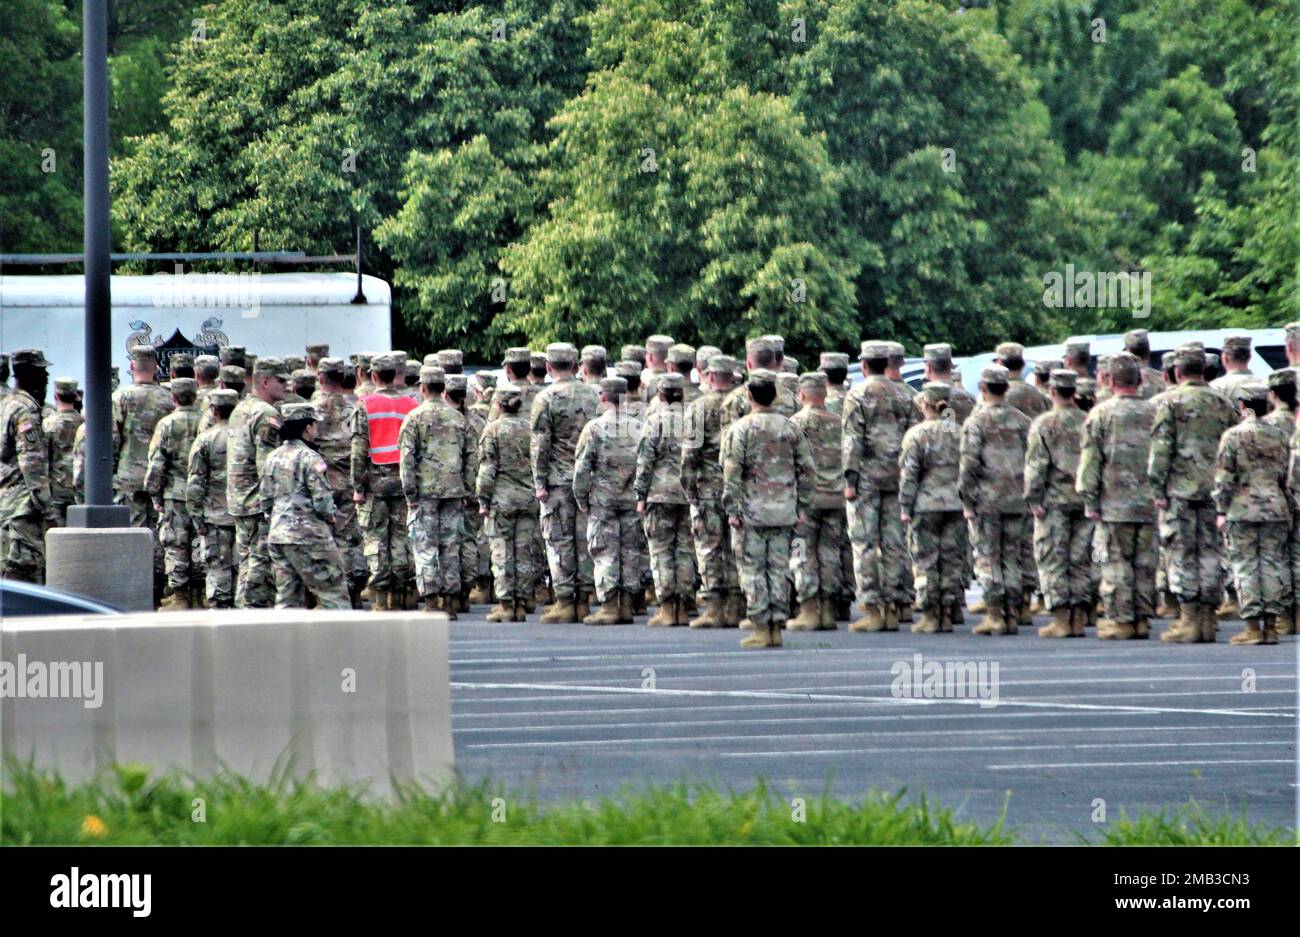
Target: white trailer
{"x":268,"y":313}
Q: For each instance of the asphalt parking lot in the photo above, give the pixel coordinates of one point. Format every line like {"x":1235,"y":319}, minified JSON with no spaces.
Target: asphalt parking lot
{"x":573,"y":712}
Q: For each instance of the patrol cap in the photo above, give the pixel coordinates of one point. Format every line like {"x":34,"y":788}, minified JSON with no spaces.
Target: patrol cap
{"x":451,"y":358}
{"x":180,"y":359}
{"x":681,"y":353}
{"x":208,"y":365}
{"x":1047,"y":366}
{"x":1283,"y":377}
{"x":33,"y":357}
{"x":760,"y":377}
{"x":790,"y":365}
{"x":180,"y":386}
{"x":628,"y":368}
{"x":896,"y":350}
{"x":65,"y":385}
{"x":672,"y":380}
{"x":1138,"y":341}
{"x":334,"y":367}
{"x":1063,"y":378}
{"x":273,"y":366}
{"x":507,"y":392}
{"x":760,"y":345}
{"x":303,"y":380}
{"x":939,"y":352}
{"x":778,"y":342}
{"x":364,"y":358}
{"x":613,"y":386}
{"x":413,"y":371}
{"x":634,"y":353}
{"x":399,"y":360}
{"x":788,"y":381}
{"x":294,"y":363}
{"x":1168,"y":360}
{"x":1236,"y":342}
{"x":705,"y":353}
{"x":1292,"y":331}
{"x":936,"y":391}
{"x":1010,"y":350}
{"x":1125,"y":367}
{"x":833,"y":359}
{"x":223,"y":397}
{"x":995,"y":374}
{"x":1085,"y":387}
{"x":383,"y":362}
{"x":514,"y":356}
{"x":234,"y":354}
{"x":1103,"y":364}
{"x":537,"y":360}
{"x":1212,"y":360}
{"x":1188,"y":354}
{"x":432,"y":374}
{"x":485,"y":379}
{"x":140,"y":354}
{"x":293,"y":412}
{"x":658,"y":345}
{"x":723,"y":364}
{"x":594,"y":353}
{"x":232,"y":374}
{"x":457,"y":382}
{"x":875,"y":349}
{"x":1253,"y":391}
{"x":561,"y":353}
{"x":318,"y":350}
{"x":1078,"y":349}
{"x":813,"y":380}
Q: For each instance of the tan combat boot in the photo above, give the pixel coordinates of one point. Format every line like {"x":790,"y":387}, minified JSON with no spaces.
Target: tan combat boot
{"x":1209,"y":624}
{"x":1286,"y":622}
{"x":945,"y":618}
{"x":712,"y":616}
{"x":1059,"y":626}
{"x":1168,"y":605}
{"x":1079,"y":621}
{"x":890,"y":612}
{"x":176,"y":602}
{"x":378,"y":600}
{"x":774,"y":634}
{"x":809,"y":617}
{"x":608,"y":614}
{"x":978,"y":607}
{"x":685,"y":608}
{"x":873,"y":619}
{"x":1187,"y":629}
{"x":543,"y":596}
{"x":582,"y":607}
{"x":650,"y":597}
{"x":992,"y":623}
{"x":626,"y":608}
{"x":501,"y":613}
{"x":826,"y":614}
{"x":1109,"y":630}
{"x":520,"y":608}
{"x":1252,"y":635}
{"x":1142,"y":629}
{"x":929,"y":623}
{"x":1228,"y":610}
{"x":735,"y":609}
{"x":666,"y":615}
{"x":431,"y":603}
{"x":561,"y":612}
{"x":450,"y":602}
{"x":481,"y":594}
{"x":1270,"y":629}
{"x":1027,"y":615}
{"x":1012,"y":619}
{"x":761,"y":637}
{"x":956,"y":613}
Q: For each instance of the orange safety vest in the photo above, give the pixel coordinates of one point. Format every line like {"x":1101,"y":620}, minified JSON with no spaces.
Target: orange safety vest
{"x":384,"y":417}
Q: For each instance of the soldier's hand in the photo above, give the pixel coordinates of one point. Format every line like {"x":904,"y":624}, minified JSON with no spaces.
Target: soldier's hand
{"x":158,"y":507}
{"x":850,"y":493}
{"x":200,"y":530}
{"x":1162,"y":504}
{"x":1092,"y":515}
{"x":733,"y":521}
{"x":542,"y":494}
{"x":1038,"y":511}
{"x":907,"y":518}
{"x":968,"y":514}
{"x":802,"y":520}
{"x":1221,"y":521}
{"x":482,"y":509}
{"x":640,"y":507}
{"x":358,"y":497}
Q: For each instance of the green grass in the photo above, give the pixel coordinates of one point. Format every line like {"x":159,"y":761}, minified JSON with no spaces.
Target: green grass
{"x":129,"y":807}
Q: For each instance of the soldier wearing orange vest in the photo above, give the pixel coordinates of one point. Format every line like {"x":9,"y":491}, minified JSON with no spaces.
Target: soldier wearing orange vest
{"x":377,"y":486}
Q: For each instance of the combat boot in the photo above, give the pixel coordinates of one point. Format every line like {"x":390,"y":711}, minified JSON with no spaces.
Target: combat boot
{"x":354,"y":595}
{"x":774,"y":634}
{"x":1059,"y":626}
{"x":1286,"y":622}
{"x":712,"y":615}
{"x":176,"y":602}
{"x":1228,"y":610}
{"x":1109,"y":630}
{"x":1026,"y":616}
{"x":873,"y":619}
{"x":1079,"y":621}
{"x":1142,"y":629}
{"x":843,"y":609}
{"x":1168,"y":605}
{"x":521,"y":610}
{"x":929,"y":623}
{"x":1011,"y":617}
{"x":626,"y":608}
{"x":378,"y":600}
{"x":735,"y":609}
{"x":890,"y":611}
{"x":683,"y":607}
{"x":481,"y":594}
{"x":666,"y":616}
{"x":499,"y":612}
{"x":1209,"y":624}
{"x":905,"y":613}
{"x":450,"y":602}
{"x":956,"y":613}
{"x":1187,"y":629}
{"x":1252,"y":635}
{"x":431,"y":603}
{"x":561,"y":612}
{"x":582,"y":607}
{"x":992,"y":623}
{"x":650,"y":597}
{"x":945,"y":618}
{"x":762,"y":637}
{"x":1037,"y":607}
{"x":1270,"y":630}
{"x":979,"y":607}
{"x":809,"y":617}
{"x":542,"y":596}
{"x":826,"y":615}
{"x":607,"y":615}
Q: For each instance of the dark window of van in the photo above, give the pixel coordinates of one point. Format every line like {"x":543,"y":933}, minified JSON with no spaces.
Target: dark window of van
{"x":1275,"y":355}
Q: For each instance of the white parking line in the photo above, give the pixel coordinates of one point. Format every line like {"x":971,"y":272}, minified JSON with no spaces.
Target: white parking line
{"x":1140,"y":764}
{"x":801,"y":752}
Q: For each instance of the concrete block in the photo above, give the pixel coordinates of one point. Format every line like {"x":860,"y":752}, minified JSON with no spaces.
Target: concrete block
{"x":111,"y":564}
{"x":352,"y":697}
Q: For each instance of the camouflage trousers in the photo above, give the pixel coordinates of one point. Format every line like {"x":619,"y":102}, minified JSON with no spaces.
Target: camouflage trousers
{"x":541,"y":565}
{"x":763,"y":560}
{"x":347,"y":534}
{"x":815,"y":555}
{"x":1260,"y":567}
{"x":141,"y":513}
{"x":176,"y":535}
{"x":1063,"y":553}
{"x":1191,"y":542}
{"x":437,"y":529}
{"x":61,"y":511}
{"x":309,"y":567}
{"x":566,"y":544}
{"x":1127,"y":554}
{"x":713,"y":557}
{"x":255,"y":587}
{"x":998,"y":543}
{"x":387,"y":546}
{"x":848,"y":588}
{"x":672,"y":550}
{"x":879,"y":555}
{"x":218,"y":551}
{"x":617,"y":556}
{"x":22,"y":548}
{"x":514,"y":560}
{"x":937,"y":542}
{"x":471,"y":529}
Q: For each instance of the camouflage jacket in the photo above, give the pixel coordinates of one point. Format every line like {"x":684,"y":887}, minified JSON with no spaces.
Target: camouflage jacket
{"x":439,"y":453}
{"x":1250,"y":473}
{"x":961,"y":401}
{"x":768,"y":475}
{"x":1113,"y":464}
{"x":559,"y":413}
{"x":1027,"y":398}
{"x":992,"y":464}
{"x":823,"y":430}
{"x":928,"y":464}
{"x":1052,"y":458}
{"x":24,"y":458}
{"x":650,"y":383}
{"x":1187,"y":423}
{"x":383,"y":480}
{"x":205,"y":482}
{"x":169,"y":454}
{"x":702,"y":448}
{"x":79,"y":464}
{"x":836,"y":394}
{"x":334,"y":437}
{"x":876,"y":417}
{"x":253,"y":433}
{"x":690,"y":394}
{"x":137,"y":408}
{"x":736,"y":404}
{"x":505,"y":475}
{"x":60,"y":429}
{"x":659,"y":457}
{"x":606,"y":465}
{"x":1230,"y":383}
{"x":1283,"y":418}
{"x":1153,"y":383}
{"x":296,"y":496}
{"x":527,"y":390}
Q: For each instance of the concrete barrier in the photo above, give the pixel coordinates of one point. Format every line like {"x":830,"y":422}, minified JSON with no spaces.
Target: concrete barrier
{"x":351,"y":696}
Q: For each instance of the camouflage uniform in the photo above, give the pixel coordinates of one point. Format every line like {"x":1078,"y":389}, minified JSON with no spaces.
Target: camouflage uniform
{"x":296,"y":496}
{"x":25,"y":506}
{"x":560,"y":411}
{"x":475,"y":566}
{"x":205,"y":497}
{"x":1250,"y":476}
{"x":815,"y":561}
{"x":253,"y":433}
{"x":383,"y":514}
{"x":991,"y":482}
{"x":768,"y":478}
{"x":658,"y":345}
{"x":165,"y":480}
{"x":1063,"y":535}
{"x":876,"y":417}
{"x":79,"y":464}
{"x":1113,"y":482}
{"x":137,"y":408}
{"x":60,"y":429}
{"x":505,"y":488}
{"x":603,"y":473}
{"x":667,"y":515}
{"x":1231,"y":383}
{"x":928,"y":463}
{"x":335,"y":412}
{"x":439,"y":456}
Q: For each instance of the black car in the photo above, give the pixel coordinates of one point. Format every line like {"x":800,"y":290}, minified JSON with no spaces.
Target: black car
{"x":24,"y":598}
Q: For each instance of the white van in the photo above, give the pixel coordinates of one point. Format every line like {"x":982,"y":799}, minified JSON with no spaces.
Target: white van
{"x":268,"y":313}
